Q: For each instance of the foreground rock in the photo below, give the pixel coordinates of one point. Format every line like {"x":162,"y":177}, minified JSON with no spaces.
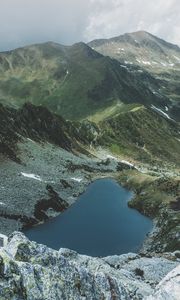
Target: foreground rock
{"x":169,"y":287}
{"x":32,"y":271}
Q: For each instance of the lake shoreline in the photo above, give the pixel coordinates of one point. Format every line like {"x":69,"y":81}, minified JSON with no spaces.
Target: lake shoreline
{"x":115,"y":225}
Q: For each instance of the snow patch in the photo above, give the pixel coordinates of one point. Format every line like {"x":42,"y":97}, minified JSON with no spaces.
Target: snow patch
{"x":154,"y":92}
{"x":31,"y":140}
{"x":127,"y":163}
{"x":121,"y":49}
{"x":125,"y":67}
{"x":143,"y":62}
{"x":139,"y":61}
{"x":167,"y":64}
{"x":76,"y":179}
{"x":2,"y":203}
{"x":32,"y":176}
{"x":128,"y":62}
{"x":166,"y":108}
{"x":163,"y":64}
{"x":177,"y":58}
{"x":161,"y":111}
{"x":146,"y":62}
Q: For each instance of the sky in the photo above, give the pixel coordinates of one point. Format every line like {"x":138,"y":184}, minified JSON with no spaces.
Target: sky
{"x":25,"y":22}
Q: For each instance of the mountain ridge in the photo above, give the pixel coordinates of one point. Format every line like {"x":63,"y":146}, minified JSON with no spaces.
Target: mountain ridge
{"x":73,"y":80}
{"x":140,"y":33}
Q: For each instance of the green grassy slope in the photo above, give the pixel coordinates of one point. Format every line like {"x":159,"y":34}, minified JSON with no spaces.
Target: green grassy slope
{"x":142,"y":135}
{"x":73,"y":81}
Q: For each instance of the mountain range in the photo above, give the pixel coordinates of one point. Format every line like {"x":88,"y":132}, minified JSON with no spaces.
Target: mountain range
{"x":70,"y":115}
{"x":80,"y":80}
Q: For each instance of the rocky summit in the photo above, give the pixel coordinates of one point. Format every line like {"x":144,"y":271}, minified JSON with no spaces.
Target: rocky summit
{"x":35,"y":272}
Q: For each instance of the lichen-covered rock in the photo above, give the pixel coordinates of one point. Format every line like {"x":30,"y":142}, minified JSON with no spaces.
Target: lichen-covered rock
{"x":35,"y":272}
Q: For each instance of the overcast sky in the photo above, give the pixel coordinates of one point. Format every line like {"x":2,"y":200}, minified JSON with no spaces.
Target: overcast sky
{"x":68,"y":21}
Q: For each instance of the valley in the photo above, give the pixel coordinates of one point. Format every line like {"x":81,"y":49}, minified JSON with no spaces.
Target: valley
{"x":43,"y":173}
{"x":74,"y":116}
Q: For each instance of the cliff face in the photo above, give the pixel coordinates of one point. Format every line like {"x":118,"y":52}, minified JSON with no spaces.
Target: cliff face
{"x":32,"y":271}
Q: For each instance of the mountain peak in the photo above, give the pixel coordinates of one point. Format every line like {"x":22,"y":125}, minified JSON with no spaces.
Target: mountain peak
{"x":141,"y":34}
{"x":134,"y":37}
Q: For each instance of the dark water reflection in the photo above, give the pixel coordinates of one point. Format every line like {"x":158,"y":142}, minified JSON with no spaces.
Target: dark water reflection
{"x":100,"y":223}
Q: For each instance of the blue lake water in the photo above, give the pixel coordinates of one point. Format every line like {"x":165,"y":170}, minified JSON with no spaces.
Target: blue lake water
{"x":100,"y":223}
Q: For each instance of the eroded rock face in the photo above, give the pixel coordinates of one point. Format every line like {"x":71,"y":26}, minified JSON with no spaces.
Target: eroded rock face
{"x":34,"y":272}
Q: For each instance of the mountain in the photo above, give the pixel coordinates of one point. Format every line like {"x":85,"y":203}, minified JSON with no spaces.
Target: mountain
{"x":73,"y":81}
{"x":160,"y":58}
{"x":140,"y":48}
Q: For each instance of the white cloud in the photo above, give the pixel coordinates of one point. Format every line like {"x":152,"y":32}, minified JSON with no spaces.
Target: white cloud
{"x":30,"y":21}
{"x":111,"y":18}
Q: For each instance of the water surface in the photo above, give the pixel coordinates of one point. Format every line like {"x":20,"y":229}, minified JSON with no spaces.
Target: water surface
{"x":100,"y":223}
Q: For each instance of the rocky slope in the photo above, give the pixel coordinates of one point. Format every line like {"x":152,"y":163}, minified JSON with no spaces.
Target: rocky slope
{"x":73,"y":81}
{"x":40,"y":149}
{"x":31,"y":122}
{"x":35,"y":272}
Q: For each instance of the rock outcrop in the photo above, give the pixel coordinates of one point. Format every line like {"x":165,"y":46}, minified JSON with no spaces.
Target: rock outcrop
{"x":34,"y":272}
{"x":169,"y":287}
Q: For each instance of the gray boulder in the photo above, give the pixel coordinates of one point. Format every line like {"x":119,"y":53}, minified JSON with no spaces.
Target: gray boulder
{"x":35,"y":272}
